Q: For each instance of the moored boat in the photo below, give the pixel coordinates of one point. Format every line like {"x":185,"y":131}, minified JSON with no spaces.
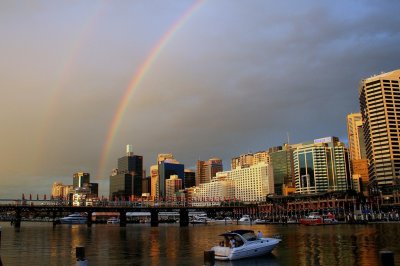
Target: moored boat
{"x":245,"y":219}
{"x":239,"y":244}
{"x":226,"y":220}
{"x":314,"y":218}
{"x":74,"y":218}
{"x":113,"y":220}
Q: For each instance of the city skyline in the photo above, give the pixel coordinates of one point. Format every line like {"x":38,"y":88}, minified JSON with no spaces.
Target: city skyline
{"x":212,"y":79}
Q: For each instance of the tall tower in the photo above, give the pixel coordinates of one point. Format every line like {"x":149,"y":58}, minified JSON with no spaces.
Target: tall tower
{"x":380,"y":109}
{"x":127,"y":181}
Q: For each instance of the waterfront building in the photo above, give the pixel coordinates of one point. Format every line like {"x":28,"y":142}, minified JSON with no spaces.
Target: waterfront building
{"x":127,"y":182}
{"x":80,"y":179}
{"x":379,"y":98}
{"x":252,"y":183}
{"x":281,"y":163}
{"x":206,"y":170}
{"x":221,"y":188}
{"x":322,"y":166}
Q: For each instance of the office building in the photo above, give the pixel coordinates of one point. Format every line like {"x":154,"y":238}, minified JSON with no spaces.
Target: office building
{"x":80,"y":179}
{"x":321,"y":166}
{"x":357,"y":151}
{"x":190,"y":178}
{"x":206,"y":170}
{"x":166,"y":169}
{"x":127,"y":181}
{"x":379,"y":98}
{"x":281,"y":163}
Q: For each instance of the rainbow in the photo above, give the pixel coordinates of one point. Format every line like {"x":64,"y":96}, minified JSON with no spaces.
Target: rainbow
{"x":138,"y":77}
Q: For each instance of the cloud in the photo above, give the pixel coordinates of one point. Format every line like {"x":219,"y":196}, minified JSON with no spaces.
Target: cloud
{"x":236,"y":77}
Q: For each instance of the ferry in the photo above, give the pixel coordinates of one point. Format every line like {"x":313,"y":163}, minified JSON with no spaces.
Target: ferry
{"x":74,"y":218}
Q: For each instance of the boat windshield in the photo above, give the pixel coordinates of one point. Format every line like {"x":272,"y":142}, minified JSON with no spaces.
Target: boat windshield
{"x":250,"y":236}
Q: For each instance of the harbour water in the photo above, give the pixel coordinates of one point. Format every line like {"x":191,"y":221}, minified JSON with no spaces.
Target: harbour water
{"x":168,"y":244}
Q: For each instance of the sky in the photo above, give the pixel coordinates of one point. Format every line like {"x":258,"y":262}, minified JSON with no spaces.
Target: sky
{"x":80,"y":80}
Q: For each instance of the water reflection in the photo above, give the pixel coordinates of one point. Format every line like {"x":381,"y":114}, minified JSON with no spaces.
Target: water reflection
{"x":41,"y":244}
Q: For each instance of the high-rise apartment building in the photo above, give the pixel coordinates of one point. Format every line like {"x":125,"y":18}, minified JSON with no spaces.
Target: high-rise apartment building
{"x":127,"y":182}
{"x":322,"y":166}
{"x":206,"y":170}
{"x":379,"y":98}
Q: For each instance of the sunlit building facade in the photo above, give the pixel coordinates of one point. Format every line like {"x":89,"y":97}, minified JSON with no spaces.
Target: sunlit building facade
{"x":206,"y":170}
{"x":322,"y":166}
{"x":379,"y":98}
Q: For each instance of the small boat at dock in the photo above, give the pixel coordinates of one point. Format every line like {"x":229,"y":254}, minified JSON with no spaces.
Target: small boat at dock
{"x":314,"y":218}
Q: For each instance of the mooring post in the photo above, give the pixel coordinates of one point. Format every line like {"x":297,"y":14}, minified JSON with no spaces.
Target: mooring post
{"x":209,"y":258}
{"x":1,"y":262}
{"x":80,"y":256}
{"x":386,"y":258}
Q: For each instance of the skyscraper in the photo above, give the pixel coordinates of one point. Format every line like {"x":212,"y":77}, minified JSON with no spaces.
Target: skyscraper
{"x":127,"y":181}
{"x":80,"y":179}
{"x":379,"y":98}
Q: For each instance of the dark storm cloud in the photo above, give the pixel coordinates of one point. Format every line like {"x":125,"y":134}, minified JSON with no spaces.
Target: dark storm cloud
{"x":237,"y":76}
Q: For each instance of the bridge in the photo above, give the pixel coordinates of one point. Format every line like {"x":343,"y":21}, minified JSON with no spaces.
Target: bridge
{"x":274,"y":208}
{"x":19,"y":208}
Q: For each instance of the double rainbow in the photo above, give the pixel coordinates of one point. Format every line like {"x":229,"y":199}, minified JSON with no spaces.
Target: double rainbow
{"x":138,"y":77}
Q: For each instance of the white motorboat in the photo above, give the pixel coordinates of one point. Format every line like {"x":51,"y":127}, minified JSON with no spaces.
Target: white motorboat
{"x":241,"y":244}
{"x":202,"y":219}
{"x":226,"y":220}
{"x":74,"y":218}
{"x":245,"y":219}
{"x":113,"y":220}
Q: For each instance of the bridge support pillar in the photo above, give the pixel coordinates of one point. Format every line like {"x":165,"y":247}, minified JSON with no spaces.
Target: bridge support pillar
{"x":17,"y":222}
{"x":122,"y":219}
{"x":183,"y":217}
{"x":89,"y":219}
{"x":154,"y":217}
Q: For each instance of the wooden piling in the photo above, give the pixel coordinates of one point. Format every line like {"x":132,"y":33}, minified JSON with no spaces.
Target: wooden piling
{"x":209,"y":258}
{"x":386,"y":258}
